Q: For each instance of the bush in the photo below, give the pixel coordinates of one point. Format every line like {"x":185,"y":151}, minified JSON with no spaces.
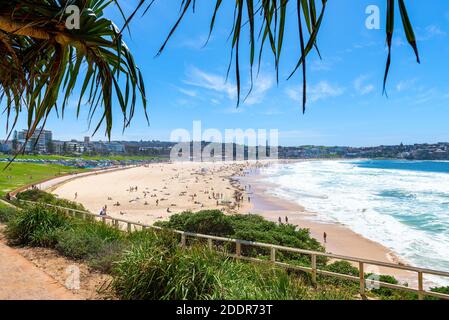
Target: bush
{"x":387,"y":293}
{"x":95,"y":242}
{"x":444,"y":290}
{"x":36,"y":195}
{"x":211,"y":222}
{"x":7,"y":214}
{"x":250,"y":228}
{"x":155,"y":267}
{"x":343,"y":267}
{"x":36,"y":226}
{"x":146,"y":270}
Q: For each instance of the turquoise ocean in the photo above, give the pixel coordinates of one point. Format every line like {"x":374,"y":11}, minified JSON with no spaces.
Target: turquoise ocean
{"x":403,"y":205}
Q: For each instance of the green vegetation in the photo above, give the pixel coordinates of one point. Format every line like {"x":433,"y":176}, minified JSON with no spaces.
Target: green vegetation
{"x":81,"y":157}
{"x":33,"y":157}
{"x":158,"y":268}
{"x":6,"y":213}
{"x":21,"y":174}
{"x":250,"y":228}
{"x":150,"y":264}
{"x":36,"y":226}
{"x":36,"y":195}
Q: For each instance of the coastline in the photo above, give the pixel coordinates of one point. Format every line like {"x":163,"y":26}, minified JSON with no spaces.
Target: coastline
{"x":180,"y":187}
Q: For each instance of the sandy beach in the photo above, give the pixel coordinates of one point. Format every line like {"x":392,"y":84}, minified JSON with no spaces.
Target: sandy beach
{"x":150,"y":193}
{"x":154,"y":192}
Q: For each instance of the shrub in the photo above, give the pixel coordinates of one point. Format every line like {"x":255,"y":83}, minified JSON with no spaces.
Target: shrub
{"x":244,"y":281}
{"x":36,"y":195}
{"x":387,"y":293}
{"x":444,"y":290}
{"x":250,"y":228}
{"x":7,"y":214}
{"x":155,"y":267}
{"x":36,"y":226}
{"x":343,"y":267}
{"x":211,"y":222}
{"x":145,"y":270}
{"x":96,"y":242}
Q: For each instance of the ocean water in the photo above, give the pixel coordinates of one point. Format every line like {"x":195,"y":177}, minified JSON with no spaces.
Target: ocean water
{"x":403,"y":205}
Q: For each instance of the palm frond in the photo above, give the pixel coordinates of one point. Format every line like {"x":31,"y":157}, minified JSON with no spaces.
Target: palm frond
{"x":272,"y":17}
{"x":43,"y":62}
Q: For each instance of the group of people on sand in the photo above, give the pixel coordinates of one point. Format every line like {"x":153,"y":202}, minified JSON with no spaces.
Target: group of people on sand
{"x":133,"y":189}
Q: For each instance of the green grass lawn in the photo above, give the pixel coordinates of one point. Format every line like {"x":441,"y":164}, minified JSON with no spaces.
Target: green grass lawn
{"x":35,"y":157}
{"x":20,"y":174}
{"x":84,"y":157}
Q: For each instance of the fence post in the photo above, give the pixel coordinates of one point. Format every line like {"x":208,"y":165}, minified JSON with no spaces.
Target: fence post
{"x":314,"y":269}
{"x":129,"y":227}
{"x":362,"y":279}
{"x":238,"y":249}
{"x":103,"y":219}
{"x":209,"y":242}
{"x":183,"y":240}
{"x":273,"y":255}
{"x":420,"y":286}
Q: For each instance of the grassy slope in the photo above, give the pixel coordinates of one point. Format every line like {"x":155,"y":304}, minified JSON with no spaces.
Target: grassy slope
{"x":20,"y":174}
{"x":84,"y":157}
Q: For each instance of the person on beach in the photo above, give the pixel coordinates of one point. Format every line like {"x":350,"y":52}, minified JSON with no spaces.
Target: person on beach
{"x":286,"y":219}
{"x":280,"y":220}
{"x":325,"y":237}
{"x":76,"y":195}
{"x":103,"y":211}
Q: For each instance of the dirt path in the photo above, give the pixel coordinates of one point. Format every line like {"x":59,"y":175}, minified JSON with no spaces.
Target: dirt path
{"x":21,"y":280}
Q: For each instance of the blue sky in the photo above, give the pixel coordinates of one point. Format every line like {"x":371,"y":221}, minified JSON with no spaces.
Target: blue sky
{"x":346,"y":105}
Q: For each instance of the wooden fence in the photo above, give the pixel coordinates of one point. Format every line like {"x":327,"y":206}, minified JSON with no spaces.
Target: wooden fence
{"x":130,"y":226}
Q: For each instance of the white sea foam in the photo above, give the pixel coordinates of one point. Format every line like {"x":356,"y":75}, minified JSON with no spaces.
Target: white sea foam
{"x":406,"y":211}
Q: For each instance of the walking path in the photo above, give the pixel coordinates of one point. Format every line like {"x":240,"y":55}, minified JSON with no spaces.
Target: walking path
{"x":22,"y":280}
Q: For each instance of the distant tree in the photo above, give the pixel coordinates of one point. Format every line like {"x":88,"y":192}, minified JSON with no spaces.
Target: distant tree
{"x":50,"y":147}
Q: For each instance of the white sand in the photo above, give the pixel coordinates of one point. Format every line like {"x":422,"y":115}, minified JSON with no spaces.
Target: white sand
{"x":192,"y":186}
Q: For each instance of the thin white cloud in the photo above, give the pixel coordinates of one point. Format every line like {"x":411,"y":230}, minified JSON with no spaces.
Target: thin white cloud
{"x":321,"y":91}
{"x":187,"y":92}
{"x":404,"y":85}
{"x":361,"y":87}
{"x":218,"y":84}
{"x":210,"y":81}
{"x":429,"y":32}
{"x":194,"y":43}
{"x":261,"y":85}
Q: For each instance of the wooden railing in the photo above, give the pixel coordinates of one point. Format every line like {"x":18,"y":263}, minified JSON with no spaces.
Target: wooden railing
{"x":274,"y":249}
